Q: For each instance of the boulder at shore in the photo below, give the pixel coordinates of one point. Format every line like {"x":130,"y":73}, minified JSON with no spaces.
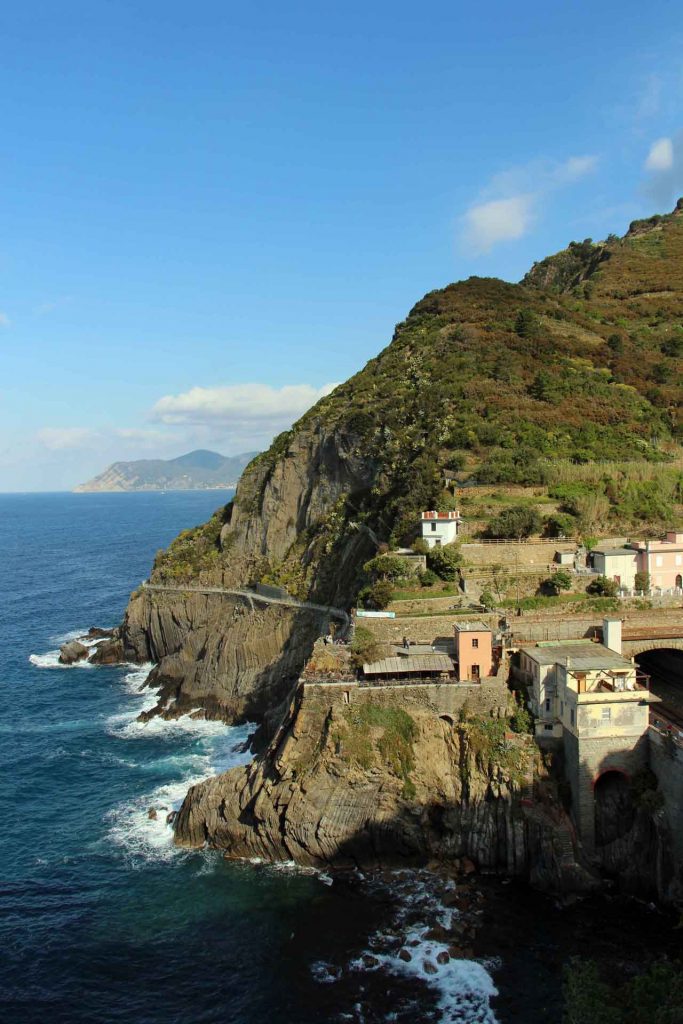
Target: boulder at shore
{"x":72,"y":652}
{"x":109,"y":652}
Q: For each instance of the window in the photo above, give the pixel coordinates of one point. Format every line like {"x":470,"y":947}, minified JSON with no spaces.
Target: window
{"x":606,"y":714}
{"x":475,"y":641}
{"x":433,"y":527}
{"x":571,"y":715}
{"x":547,"y":703}
{"x":659,"y":561}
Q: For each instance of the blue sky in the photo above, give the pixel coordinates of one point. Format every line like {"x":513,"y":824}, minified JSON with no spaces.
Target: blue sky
{"x":212,"y":212}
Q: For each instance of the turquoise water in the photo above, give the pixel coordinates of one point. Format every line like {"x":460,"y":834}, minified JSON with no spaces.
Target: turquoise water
{"x":101,"y":919}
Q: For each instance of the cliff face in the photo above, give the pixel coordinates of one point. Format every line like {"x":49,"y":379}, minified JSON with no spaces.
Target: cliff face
{"x":372,"y":785}
{"x":216,"y":652}
{"x":289,"y":525}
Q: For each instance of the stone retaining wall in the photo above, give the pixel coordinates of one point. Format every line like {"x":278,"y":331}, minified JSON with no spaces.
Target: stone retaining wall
{"x":486,"y":698}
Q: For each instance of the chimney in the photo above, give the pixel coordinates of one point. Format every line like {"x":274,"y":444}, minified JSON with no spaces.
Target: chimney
{"x":611,"y":634}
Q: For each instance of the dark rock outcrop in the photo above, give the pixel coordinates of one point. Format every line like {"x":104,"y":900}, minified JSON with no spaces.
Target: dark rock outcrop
{"x":108,"y":652}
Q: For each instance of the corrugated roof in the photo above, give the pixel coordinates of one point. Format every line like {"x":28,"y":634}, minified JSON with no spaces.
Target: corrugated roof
{"x":584,"y":656}
{"x":402,"y":666}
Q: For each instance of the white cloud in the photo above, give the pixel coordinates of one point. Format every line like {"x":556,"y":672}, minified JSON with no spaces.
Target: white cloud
{"x":574,"y":168}
{"x":661,"y":155}
{"x":4,"y":320}
{"x":240,"y":405}
{"x":508,"y":205}
{"x":500,"y":220}
{"x":62,"y":438}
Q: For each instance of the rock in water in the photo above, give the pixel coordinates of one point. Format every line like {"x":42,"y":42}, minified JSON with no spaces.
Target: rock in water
{"x":72,"y":652}
{"x":109,"y":652}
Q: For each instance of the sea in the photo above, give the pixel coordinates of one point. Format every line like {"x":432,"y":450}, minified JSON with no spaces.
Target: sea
{"x":103,"y":920}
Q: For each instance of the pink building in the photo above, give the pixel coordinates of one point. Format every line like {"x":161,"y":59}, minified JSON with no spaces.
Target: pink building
{"x":662,"y":560}
{"x":473,"y":650}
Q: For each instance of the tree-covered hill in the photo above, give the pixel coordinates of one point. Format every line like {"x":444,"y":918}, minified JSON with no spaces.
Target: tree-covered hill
{"x":487,"y":382}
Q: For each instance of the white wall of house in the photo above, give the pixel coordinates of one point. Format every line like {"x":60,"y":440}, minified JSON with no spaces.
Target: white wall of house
{"x":439,"y":529}
{"x":617,"y":565}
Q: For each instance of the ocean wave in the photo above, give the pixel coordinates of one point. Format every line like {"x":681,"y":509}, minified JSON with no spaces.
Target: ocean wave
{"x":50,"y":659}
{"x":74,"y":634}
{"x":143,"y":836}
{"x":410,"y":949}
{"x":464,"y":987}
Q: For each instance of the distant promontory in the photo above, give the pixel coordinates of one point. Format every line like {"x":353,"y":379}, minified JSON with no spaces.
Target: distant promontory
{"x":197,"y":471}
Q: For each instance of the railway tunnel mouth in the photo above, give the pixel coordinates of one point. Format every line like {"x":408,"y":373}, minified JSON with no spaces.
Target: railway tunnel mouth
{"x":664,"y":666}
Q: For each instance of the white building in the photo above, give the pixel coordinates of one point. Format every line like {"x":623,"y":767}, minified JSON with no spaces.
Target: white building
{"x":618,"y":564}
{"x":440,"y":528}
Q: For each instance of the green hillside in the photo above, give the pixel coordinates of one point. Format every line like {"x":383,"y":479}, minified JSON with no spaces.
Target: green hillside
{"x":568,"y":383}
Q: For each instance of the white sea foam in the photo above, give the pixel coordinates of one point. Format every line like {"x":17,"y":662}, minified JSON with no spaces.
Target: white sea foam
{"x":463,"y":988}
{"x":50,"y":659}
{"x":200,"y":749}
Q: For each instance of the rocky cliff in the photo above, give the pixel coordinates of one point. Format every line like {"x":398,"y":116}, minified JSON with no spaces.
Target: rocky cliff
{"x":233,"y":660}
{"x":489,"y":380}
{"x":372,"y":784}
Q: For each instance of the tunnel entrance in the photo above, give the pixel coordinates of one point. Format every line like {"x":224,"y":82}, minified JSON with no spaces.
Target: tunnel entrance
{"x":613,"y":807}
{"x":665,"y":669}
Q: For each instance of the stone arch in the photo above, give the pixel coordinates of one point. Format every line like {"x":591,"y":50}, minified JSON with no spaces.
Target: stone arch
{"x":616,"y":769}
{"x":632,"y":648}
{"x":448,"y":719}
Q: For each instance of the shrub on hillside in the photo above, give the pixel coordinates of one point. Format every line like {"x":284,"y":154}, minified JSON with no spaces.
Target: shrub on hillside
{"x":516,"y":522}
{"x":559,"y":524}
{"x":445,"y":561}
{"x":555,"y":584}
{"x":387,"y":567}
{"x":601,"y":586}
{"x":428,"y":578}
{"x":379,"y":595}
{"x":365,"y":647}
{"x":527,"y":324}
